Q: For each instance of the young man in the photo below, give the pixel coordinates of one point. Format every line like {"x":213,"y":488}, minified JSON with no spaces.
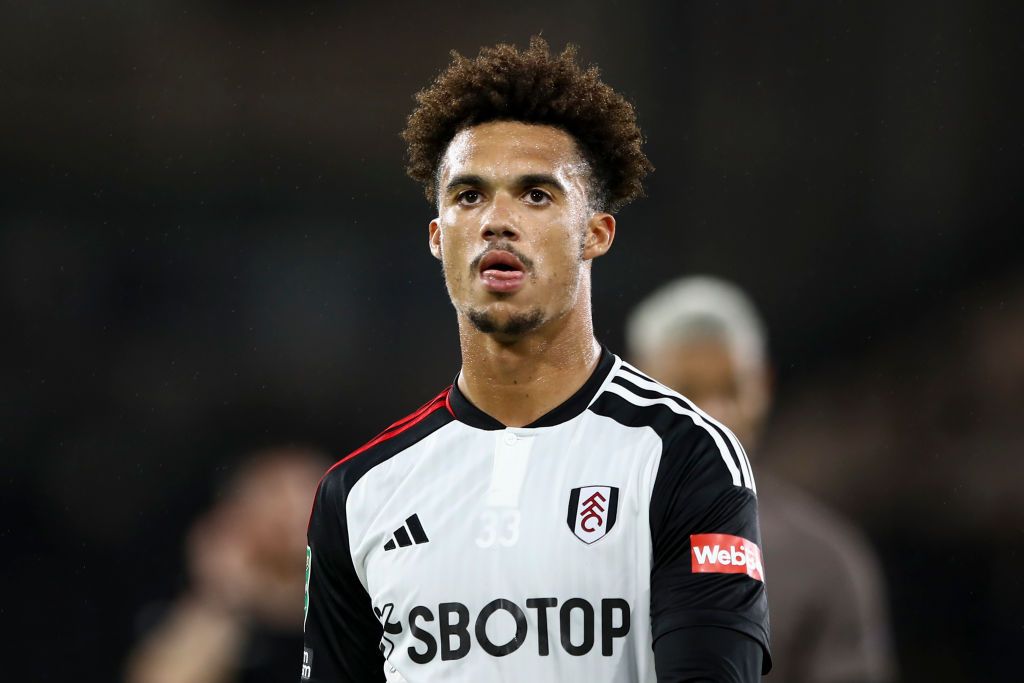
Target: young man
{"x":554,"y":515}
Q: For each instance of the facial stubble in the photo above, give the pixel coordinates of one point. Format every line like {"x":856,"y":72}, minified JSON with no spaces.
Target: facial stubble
{"x":519,"y":323}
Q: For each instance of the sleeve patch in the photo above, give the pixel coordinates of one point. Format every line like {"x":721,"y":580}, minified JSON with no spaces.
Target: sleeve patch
{"x":725,"y":554}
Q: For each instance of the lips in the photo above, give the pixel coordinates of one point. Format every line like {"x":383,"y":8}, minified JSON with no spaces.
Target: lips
{"x":502,"y":272}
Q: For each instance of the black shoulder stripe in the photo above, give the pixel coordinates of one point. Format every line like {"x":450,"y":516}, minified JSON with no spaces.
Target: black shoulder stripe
{"x":633,"y":371}
{"x":660,"y":418}
{"x":676,"y":444}
{"x":738,"y":458}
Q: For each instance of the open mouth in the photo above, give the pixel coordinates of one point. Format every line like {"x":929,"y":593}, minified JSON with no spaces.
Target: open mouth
{"x":502,"y":262}
{"x":501,"y":271}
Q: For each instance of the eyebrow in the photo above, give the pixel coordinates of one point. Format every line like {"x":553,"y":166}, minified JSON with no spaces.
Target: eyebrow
{"x":523,"y":180}
{"x":541,"y":179}
{"x":465,"y":179}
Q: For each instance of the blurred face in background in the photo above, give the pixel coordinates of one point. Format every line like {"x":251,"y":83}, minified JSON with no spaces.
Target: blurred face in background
{"x":515,"y":230}
{"x":706,"y":371}
{"x":247,"y":552}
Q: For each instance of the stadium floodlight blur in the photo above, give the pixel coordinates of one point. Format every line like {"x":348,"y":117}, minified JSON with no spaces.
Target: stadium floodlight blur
{"x":240,"y":617}
{"x":703,"y":337}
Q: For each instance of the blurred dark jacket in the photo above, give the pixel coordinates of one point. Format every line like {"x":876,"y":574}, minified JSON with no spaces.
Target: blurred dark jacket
{"x":829,"y":621}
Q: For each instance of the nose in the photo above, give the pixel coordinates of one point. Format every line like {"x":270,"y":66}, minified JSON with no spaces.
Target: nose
{"x":499,"y":222}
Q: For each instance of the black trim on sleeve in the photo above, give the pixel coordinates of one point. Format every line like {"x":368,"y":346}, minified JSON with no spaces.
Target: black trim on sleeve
{"x":693,"y":493}
{"x":707,"y":654}
{"x":342,"y":633}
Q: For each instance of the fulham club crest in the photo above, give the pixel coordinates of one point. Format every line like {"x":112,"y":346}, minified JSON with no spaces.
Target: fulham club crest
{"x":592,"y":512}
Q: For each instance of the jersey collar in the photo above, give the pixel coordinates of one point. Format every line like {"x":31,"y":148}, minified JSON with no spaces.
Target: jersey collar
{"x":464,"y":410}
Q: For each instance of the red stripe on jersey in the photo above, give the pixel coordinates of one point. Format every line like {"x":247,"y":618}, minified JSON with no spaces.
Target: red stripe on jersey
{"x":392,"y":431}
{"x":448,"y":401}
{"x":415,"y":414}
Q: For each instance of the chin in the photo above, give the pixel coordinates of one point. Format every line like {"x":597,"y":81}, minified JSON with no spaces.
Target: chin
{"x":509,"y":324}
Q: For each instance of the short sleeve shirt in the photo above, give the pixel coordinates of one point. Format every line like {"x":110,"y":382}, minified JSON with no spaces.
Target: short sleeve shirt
{"x":451,"y":548}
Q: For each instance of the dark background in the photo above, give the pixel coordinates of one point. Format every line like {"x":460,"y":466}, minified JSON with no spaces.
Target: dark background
{"x":208,"y":245}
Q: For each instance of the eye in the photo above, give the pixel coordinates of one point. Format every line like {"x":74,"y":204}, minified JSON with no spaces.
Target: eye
{"x":468,"y":197}
{"x":536,"y":196}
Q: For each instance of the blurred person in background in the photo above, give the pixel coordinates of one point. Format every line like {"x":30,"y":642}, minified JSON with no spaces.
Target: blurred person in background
{"x":704,"y":338}
{"x":240,"y":618}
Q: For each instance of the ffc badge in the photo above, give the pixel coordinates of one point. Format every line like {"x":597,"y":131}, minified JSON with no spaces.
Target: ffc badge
{"x":592,"y":512}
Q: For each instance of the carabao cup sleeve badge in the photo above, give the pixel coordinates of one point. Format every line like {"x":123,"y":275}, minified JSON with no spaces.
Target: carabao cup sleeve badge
{"x":305,"y":602}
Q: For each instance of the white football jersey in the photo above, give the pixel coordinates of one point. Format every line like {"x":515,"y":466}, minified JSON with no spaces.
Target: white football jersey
{"x":451,"y":548}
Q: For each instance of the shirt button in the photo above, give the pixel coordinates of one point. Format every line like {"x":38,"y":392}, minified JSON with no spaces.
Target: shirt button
{"x":510,"y":439}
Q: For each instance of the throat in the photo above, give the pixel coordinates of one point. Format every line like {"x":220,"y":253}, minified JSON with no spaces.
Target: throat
{"x":517,"y":384}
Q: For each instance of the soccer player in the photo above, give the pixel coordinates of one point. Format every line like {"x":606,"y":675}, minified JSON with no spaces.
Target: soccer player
{"x":555,"y":515}
{"x":703,"y":337}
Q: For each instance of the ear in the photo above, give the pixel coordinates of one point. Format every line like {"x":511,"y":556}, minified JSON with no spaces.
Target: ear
{"x":600,"y":235}
{"x":434,"y":239}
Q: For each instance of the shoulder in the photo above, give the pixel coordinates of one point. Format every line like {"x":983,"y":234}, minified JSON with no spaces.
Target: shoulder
{"x":399,"y":436}
{"x":691,"y":439}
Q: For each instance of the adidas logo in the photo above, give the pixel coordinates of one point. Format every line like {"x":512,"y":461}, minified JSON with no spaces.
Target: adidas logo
{"x":402,"y":534}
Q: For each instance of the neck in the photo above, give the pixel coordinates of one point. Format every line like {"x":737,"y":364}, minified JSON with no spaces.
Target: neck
{"x":519,"y":381}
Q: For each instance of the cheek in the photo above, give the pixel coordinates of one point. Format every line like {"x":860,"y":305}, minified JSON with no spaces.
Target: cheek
{"x":559,"y":252}
{"x":447,"y":238}
{"x":454,"y":255}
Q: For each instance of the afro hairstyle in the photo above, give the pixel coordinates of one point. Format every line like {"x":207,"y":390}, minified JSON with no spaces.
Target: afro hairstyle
{"x":531,"y":86}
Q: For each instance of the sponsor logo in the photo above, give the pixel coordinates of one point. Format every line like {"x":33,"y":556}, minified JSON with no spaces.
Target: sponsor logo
{"x":410,"y":533}
{"x":307,"y":663}
{"x":501,"y":627}
{"x":387,"y":646}
{"x":725,"y":554}
{"x":592,"y":511}
{"x":305,"y":602}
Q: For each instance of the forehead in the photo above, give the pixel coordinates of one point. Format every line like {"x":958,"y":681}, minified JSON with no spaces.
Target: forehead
{"x":509,"y":148}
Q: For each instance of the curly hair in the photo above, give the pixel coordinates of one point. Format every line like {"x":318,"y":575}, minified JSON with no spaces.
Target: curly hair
{"x":531,"y":86}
